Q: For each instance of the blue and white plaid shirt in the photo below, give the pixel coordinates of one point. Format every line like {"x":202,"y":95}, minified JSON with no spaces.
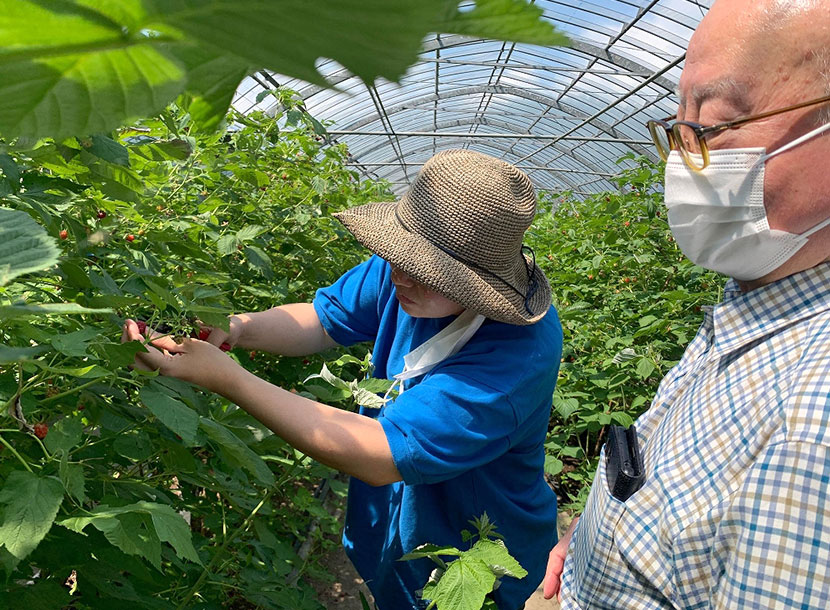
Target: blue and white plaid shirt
{"x":735,"y":510}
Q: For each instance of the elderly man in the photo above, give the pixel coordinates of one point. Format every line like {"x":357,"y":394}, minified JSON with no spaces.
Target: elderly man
{"x":734,"y":509}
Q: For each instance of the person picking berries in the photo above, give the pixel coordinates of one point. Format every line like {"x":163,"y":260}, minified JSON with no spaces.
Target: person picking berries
{"x":461,"y":319}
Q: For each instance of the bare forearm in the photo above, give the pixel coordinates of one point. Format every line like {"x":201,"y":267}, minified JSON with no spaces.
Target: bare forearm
{"x":290,"y":330}
{"x":349,"y":442}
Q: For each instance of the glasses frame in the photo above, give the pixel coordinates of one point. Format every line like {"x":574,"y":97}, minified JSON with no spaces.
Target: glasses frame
{"x":672,"y":131}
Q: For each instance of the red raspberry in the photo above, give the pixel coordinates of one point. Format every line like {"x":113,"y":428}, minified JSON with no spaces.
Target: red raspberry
{"x":142,"y":326}
{"x":225,"y":347}
{"x":41,"y":430}
{"x":204,"y":333}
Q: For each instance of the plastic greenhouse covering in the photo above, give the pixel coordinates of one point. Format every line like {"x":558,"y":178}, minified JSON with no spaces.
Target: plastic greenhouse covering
{"x":565,"y":115}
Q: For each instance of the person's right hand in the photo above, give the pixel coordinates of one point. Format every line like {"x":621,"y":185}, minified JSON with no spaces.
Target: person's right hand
{"x":556,"y":562}
{"x":218,"y":337}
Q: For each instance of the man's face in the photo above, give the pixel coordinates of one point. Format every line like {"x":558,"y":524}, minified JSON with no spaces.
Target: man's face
{"x":738,"y":64}
{"x":419,"y":301}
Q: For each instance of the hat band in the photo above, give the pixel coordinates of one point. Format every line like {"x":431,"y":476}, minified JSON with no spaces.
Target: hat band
{"x":532,"y":286}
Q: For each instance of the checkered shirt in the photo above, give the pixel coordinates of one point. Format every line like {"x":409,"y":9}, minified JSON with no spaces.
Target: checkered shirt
{"x":735,"y":510}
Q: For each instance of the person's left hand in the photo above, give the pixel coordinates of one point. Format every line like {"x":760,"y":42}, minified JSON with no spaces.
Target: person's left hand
{"x":191,"y":360}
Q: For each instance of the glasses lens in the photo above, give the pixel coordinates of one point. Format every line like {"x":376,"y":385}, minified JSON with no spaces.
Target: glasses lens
{"x":693,"y":152}
{"x":660,"y":137}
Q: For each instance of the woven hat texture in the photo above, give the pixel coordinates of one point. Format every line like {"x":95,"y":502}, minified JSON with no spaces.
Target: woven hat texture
{"x":458,"y":230}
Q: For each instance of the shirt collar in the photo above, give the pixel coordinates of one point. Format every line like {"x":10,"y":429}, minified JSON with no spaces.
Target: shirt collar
{"x":744,"y":317}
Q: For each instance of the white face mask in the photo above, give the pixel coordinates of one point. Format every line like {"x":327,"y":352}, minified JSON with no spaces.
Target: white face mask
{"x":718,"y":217}
{"x":446,"y":343}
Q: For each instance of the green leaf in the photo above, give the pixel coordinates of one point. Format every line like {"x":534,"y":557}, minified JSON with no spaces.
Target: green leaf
{"x":326,"y":375}
{"x":212,"y":79}
{"x":288,"y":37}
{"x":24,"y":245}
{"x":72,"y":477}
{"x":64,"y":434}
{"x":431,"y":550}
{"x":173,"y":413}
{"x":31,"y":505}
{"x":47,"y":309}
{"x":109,"y":150}
{"x":495,"y":554}
{"x":249,"y":232}
{"x":553,"y":465}
{"x":75,"y":343}
{"x":513,"y":20}
{"x":645,"y":367}
{"x":365,"y":398}
{"x":464,"y":585}
{"x":137,"y":529}
{"x":14,"y":354}
{"x":10,"y":169}
{"x":171,"y":528}
{"x":238,"y":451}
{"x":77,"y":71}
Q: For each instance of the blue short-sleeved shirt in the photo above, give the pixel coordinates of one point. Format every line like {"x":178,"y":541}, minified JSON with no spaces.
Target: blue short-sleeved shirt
{"x":467,"y":438}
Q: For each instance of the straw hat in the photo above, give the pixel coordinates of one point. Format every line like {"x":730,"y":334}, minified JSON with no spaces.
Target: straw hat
{"x":458,"y":230}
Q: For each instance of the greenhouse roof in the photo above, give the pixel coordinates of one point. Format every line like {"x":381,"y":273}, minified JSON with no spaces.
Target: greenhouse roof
{"x":565,"y":115}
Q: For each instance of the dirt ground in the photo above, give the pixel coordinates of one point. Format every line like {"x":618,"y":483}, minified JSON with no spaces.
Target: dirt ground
{"x":342,"y":594}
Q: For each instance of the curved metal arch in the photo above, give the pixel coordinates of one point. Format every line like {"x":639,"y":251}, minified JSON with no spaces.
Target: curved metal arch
{"x":496,"y":146}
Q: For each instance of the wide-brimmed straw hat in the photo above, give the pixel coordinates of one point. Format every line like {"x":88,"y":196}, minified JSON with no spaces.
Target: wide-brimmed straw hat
{"x":458,"y":230}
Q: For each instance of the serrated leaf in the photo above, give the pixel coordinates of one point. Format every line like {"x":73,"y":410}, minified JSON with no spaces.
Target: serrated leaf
{"x":553,"y":465}
{"x":173,"y":413}
{"x":72,"y":477}
{"x":464,"y":585}
{"x":249,"y":232}
{"x":645,"y":367}
{"x":25,"y":246}
{"x":365,"y":398}
{"x":109,"y":150}
{"x":238,"y":451}
{"x":75,"y":344}
{"x":76,"y":72}
{"x":138,"y":529}
{"x":566,"y":407}
{"x":495,"y":554}
{"x":64,"y":434}
{"x":31,"y":505}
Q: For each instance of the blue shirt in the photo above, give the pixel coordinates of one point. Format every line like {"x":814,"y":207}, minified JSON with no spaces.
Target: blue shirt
{"x":467,"y":438}
{"x":735,"y":509}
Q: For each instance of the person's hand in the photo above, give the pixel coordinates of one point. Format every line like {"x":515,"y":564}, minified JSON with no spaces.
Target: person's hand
{"x":556,"y":562}
{"x":220,"y":338}
{"x":191,"y":360}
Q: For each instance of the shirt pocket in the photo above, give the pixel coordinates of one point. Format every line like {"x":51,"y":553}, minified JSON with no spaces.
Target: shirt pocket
{"x":594,"y":547}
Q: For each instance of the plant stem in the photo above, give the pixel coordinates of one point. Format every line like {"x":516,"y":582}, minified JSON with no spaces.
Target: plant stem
{"x":16,"y":454}
{"x":83,"y":386}
{"x":206,"y":572}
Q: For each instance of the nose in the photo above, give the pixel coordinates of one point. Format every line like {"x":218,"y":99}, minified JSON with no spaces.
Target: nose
{"x":399,"y":278}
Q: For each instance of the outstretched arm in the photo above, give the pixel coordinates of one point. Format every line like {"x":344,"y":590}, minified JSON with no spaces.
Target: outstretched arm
{"x":347,"y":441}
{"x":290,"y":330}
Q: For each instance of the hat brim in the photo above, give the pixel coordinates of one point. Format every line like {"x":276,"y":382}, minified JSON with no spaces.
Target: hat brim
{"x":376,"y":226}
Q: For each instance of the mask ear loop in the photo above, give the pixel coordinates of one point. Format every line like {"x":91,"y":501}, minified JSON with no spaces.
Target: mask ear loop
{"x":796,"y":142}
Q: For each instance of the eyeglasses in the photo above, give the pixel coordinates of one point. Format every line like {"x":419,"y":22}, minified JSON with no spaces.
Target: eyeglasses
{"x":689,"y":138}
